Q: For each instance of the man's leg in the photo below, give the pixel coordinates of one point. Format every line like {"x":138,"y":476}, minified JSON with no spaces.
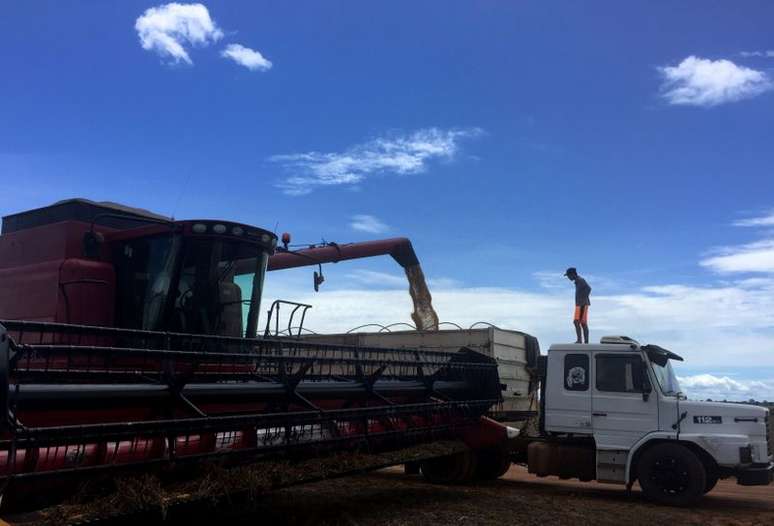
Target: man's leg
{"x":576,"y":320}
{"x":584,"y":320}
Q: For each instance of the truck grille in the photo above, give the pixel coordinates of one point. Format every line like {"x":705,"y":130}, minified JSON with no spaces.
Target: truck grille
{"x":769,"y":432}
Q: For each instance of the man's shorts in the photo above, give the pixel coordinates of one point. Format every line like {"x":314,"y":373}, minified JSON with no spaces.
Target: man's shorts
{"x":581,"y":314}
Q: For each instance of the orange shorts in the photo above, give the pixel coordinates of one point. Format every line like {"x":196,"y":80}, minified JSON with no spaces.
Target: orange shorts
{"x":581,"y":314}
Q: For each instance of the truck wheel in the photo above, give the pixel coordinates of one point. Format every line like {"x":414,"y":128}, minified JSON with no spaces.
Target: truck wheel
{"x":492,"y":463}
{"x":671,"y":474}
{"x":712,"y":479}
{"x":452,"y":469}
{"x":411,"y":468}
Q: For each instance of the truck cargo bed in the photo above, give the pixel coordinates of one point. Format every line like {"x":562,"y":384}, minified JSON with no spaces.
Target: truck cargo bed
{"x":515,"y":352}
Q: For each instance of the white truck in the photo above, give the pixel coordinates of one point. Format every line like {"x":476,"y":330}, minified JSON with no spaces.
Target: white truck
{"x":614,"y":412}
{"x":611,"y":412}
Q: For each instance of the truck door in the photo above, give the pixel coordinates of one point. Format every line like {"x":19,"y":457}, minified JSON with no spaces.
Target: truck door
{"x":568,"y":393}
{"x":620,"y":414}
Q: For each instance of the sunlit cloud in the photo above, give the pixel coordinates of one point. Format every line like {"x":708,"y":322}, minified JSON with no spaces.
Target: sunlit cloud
{"x":244,"y":56}
{"x":769,"y":53}
{"x":168,"y":29}
{"x":368,"y":223}
{"x":750,"y":257}
{"x":703,"y":82}
{"x":703,"y":386}
{"x":757,"y":257}
{"x":389,"y":155}
{"x":764,"y":220}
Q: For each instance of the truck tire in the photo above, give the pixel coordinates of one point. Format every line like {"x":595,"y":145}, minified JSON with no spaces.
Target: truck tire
{"x":712,"y":479}
{"x":411,"y":468}
{"x":492,"y":463}
{"x":452,"y":469}
{"x":671,"y":474}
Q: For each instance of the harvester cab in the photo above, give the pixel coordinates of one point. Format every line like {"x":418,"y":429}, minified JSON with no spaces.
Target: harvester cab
{"x":129,"y":268}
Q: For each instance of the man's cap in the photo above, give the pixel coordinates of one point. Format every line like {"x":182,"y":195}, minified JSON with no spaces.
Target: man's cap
{"x":571,"y":270}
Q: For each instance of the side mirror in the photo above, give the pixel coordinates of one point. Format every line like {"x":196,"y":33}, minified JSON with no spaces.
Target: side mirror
{"x":647,"y":388}
{"x":91,"y":244}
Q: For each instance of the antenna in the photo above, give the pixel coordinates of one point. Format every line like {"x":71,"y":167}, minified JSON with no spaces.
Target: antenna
{"x":183,"y":188}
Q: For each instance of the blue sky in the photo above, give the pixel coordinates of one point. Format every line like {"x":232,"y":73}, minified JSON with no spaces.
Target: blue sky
{"x":508,"y":140}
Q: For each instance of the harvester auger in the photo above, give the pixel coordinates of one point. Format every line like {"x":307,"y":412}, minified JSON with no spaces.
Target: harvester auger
{"x":143,"y":355}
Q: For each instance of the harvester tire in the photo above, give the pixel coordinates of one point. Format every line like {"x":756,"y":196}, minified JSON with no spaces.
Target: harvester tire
{"x":492,"y":463}
{"x":452,"y":469}
{"x":671,"y":474}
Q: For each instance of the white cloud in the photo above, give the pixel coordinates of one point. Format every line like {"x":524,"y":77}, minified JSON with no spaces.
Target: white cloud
{"x":401,"y":154}
{"x":703,"y":82}
{"x":244,"y":56}
{"x":556,"y":280}
{"x":381,"y":279}
{"x":443,"y":283}
{"x":767,"y":220}
{"x":751,"y":257}
{"x":757,"y":256}
{"x":703,"y":386}
{"x":167,"y":29}
{"x":368,"y":223}
{"x":551,"y":279}
{"x":769,"y":53}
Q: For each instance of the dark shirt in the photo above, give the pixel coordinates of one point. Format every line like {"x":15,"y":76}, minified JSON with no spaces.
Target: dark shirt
{"x":582,"y":291}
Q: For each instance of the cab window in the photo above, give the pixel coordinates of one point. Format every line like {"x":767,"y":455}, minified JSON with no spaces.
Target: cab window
{"x":618,"y":373}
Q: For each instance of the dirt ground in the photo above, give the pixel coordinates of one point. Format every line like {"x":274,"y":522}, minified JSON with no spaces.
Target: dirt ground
{"x":388,"y":497}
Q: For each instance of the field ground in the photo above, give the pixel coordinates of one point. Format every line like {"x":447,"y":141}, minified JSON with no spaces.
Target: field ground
{"x":388,"y":497}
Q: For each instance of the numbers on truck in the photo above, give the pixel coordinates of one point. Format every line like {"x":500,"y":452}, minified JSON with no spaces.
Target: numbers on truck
{"x":707,"y":420}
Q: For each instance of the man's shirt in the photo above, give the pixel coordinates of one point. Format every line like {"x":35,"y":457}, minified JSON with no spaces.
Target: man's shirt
{"x":582,"y":291}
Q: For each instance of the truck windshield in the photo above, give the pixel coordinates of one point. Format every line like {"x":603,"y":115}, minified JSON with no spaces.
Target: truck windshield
{"x":666,"y":378}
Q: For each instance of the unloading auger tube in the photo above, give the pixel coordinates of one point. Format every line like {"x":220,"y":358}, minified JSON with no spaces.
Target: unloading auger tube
{"x":80,"y":399}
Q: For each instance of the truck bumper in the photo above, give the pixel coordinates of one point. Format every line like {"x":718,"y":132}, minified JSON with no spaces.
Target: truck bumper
{"x":755,"y":475}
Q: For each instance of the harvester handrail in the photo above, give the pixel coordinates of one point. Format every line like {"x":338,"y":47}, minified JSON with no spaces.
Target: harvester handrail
{"x":108,"y":432}
{"x":242,"y":356}
{"x":439,"y":431}
{"x":51,"y":327}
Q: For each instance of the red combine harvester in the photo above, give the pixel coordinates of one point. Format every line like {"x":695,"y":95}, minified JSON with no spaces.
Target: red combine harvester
{"x":129,"y":342}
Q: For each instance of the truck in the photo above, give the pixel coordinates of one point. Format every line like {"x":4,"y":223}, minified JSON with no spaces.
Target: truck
{"x":612,"y":411}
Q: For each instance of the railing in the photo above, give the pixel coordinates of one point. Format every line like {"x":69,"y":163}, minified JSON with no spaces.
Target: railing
{"x":274,"y":313}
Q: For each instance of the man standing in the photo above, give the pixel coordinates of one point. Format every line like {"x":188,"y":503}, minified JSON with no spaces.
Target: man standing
{"x":582,"y":302}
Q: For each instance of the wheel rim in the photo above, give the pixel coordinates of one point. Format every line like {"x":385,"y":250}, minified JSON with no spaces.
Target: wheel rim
{"x":670,"y":474}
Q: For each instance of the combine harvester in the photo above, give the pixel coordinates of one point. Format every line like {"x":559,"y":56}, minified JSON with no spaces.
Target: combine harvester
{"x":129,"y":346}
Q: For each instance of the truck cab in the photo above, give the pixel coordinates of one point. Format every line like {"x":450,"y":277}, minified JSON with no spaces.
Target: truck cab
{"x":618,"y":404}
